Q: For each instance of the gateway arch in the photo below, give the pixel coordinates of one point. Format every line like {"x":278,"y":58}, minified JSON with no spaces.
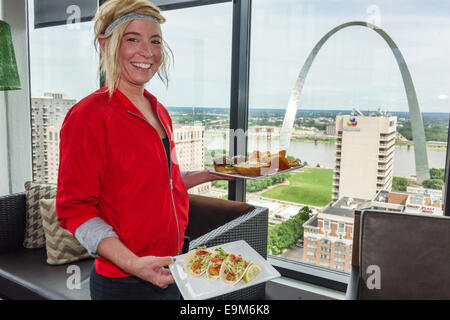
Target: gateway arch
{"x":418,"y":133}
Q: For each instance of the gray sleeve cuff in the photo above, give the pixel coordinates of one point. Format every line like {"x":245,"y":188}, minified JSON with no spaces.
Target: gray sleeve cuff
{"x":92,"y":232}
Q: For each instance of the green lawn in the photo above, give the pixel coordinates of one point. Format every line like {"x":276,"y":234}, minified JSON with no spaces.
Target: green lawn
{"x":311,"y":186}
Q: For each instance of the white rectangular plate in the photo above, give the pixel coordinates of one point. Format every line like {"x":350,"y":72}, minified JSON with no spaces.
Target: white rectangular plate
{"x":240,"y":176}
{"x":202,"y":288}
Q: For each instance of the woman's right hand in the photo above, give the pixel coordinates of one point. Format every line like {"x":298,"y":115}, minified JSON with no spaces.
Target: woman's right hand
{"x":148,"y":268}
{"x":151,"y":269}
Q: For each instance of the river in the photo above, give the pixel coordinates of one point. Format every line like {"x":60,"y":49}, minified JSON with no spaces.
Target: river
{"x":324,"y":154}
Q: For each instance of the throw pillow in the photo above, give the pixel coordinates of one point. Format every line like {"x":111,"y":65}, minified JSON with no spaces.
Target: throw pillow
{"x":62,"y":247}
{"x":34,"y":232}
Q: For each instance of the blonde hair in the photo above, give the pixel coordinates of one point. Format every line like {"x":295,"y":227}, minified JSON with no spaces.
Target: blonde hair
{"x":109,"y":12}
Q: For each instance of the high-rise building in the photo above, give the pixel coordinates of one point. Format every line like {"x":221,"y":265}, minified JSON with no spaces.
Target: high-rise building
{"x":330,"y":130}
{"x":46,"y":111}
{"x":52,"y":153}
{"x":190,"y":148}
{"x":364,"y":155}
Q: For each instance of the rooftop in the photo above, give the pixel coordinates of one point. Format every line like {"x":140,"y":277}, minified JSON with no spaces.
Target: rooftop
{"x":345,"y":206}
{"x":391,"y":197}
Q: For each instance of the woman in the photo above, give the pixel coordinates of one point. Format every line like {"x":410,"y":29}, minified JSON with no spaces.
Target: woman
{"x":120,"y":189}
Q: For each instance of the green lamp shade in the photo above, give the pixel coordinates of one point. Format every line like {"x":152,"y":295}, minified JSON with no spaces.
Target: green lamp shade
{"x":9,"y":77}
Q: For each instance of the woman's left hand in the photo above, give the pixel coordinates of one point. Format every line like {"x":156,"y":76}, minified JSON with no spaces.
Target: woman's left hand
{"x":194,"y":178}
{"x":211,"y":176}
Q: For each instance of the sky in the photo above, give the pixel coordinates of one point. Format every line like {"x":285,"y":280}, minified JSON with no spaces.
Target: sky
{"x":354,"y":69}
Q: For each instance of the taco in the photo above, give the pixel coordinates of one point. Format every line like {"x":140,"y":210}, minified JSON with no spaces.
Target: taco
{"x":233,"y":269}
{"x":218,"y":257}
{"x":196,"y":261}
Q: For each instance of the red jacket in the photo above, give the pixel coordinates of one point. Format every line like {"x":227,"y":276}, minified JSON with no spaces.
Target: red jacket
{"x":113,"y":165}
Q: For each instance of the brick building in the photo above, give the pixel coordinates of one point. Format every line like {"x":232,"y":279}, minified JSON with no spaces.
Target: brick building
{"x":328,"y":235}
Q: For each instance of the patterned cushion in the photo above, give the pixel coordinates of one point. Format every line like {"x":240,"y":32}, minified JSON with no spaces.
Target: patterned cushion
{"x":34,"y":233}
{"x":62,"y":247}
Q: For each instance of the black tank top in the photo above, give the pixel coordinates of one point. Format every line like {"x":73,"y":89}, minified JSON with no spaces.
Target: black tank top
{"x":166,"y":144}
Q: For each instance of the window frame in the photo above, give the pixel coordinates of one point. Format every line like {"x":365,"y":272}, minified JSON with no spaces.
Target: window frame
{"x":239,"y":108}
{"x":446,"y":193}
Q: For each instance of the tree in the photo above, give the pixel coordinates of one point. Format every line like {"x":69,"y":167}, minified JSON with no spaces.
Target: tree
{"x":292,"y":158}
{"x":399,"y":184}
{"x":405,"y":130}
{"x":433,"y":184}
{"x":255,"y":185}
{"x":437,"y":174}
{"x":305,"y":213}
{"x":287,"y":233}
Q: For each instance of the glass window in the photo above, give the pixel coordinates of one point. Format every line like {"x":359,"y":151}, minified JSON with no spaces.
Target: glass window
{"x":350,"y":120}
{"x":63,"y":70}
{"x":339,"y":244}
{"x":198,"y":95}
{"x":337,"y":267}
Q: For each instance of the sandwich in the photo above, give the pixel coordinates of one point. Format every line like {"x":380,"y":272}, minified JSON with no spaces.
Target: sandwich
{"x":224,"y":165}
{"x":238,"y":159}
{"x":251,"y":168}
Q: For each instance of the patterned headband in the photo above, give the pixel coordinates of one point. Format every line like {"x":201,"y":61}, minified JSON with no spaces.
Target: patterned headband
{"x":128,"y":17}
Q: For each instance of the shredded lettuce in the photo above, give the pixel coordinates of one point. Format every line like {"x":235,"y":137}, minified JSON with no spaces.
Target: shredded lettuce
{"x":237,"y":267}
{"x":222,"y":252}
